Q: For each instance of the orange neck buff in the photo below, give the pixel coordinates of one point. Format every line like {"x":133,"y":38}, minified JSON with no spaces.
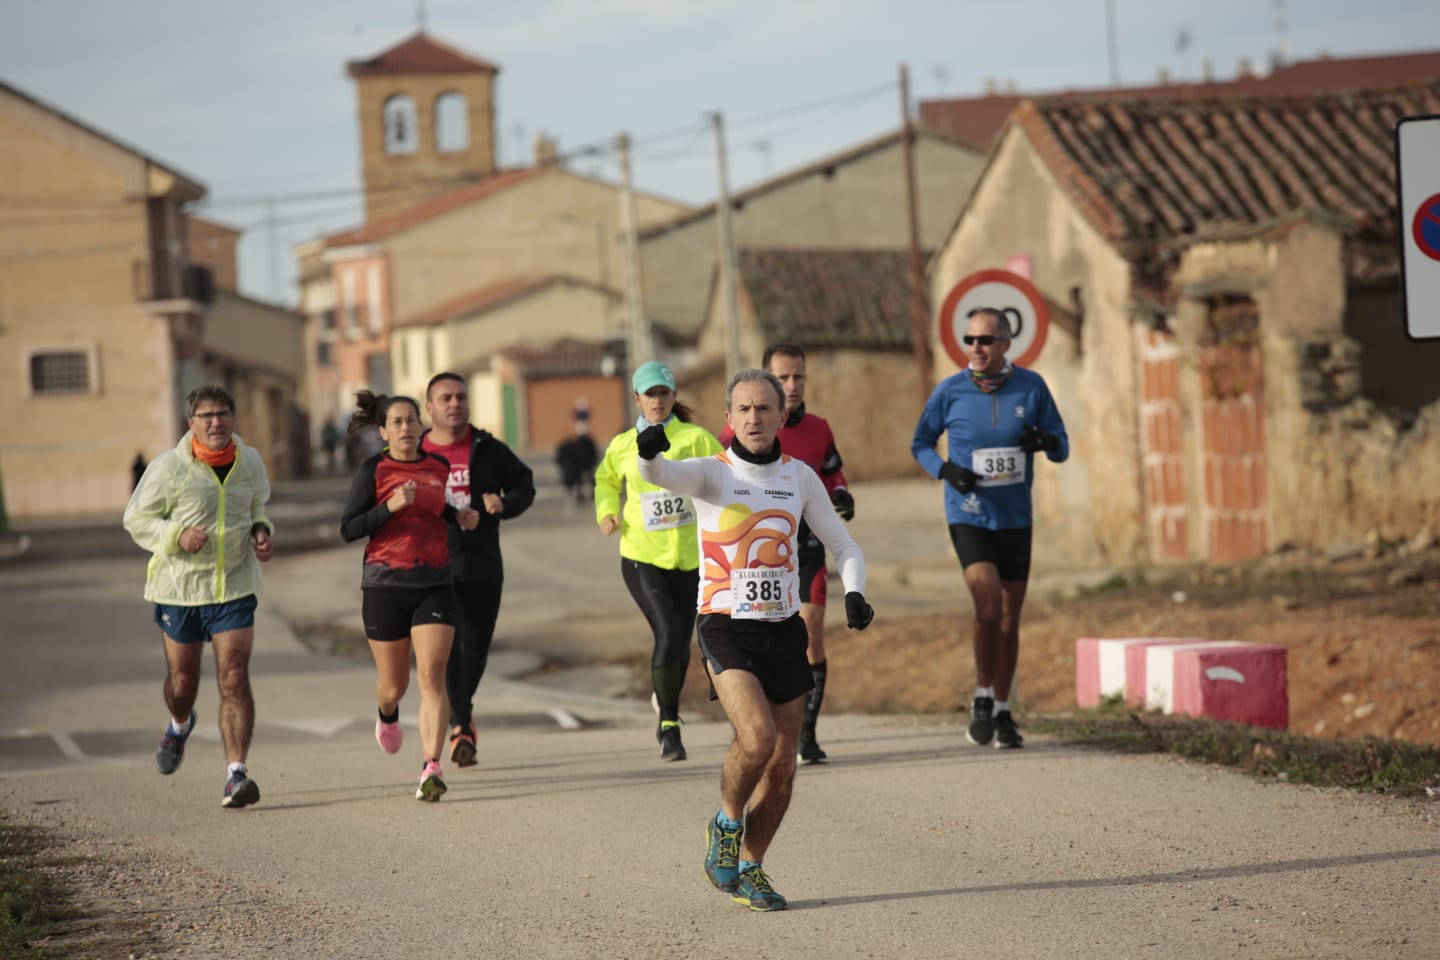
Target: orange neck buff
{"x":215,"y":458}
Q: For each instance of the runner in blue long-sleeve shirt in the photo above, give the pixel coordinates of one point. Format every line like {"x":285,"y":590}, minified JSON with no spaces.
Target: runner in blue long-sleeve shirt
{"x":995,"y":418}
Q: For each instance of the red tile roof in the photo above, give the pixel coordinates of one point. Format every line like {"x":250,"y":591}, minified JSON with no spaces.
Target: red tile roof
{"x":979,"y":120}
{"x":492,"y":296}
{"x":420,"y":54}
{"x":1151,"y":171}
{"x":830,"y":298}
{"x":566,"y":357}
{"x":450,"y":200}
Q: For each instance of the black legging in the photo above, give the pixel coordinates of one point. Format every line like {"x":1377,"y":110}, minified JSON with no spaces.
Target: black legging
{"x":477,"y":605}
{"x":667,"y":599}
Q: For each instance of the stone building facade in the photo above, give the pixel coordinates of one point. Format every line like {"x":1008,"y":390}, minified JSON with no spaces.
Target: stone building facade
{"x":1222,"y":281}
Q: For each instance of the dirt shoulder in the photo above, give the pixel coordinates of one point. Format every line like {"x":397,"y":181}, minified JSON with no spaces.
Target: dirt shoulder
{"x":1363,"y":636}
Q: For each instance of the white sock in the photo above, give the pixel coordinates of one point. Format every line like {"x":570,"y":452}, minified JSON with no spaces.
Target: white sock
{"x":180,"y":728}
{"x":1002,"y":705}
{"x":985,"y":692}
{"x":237,"y":768}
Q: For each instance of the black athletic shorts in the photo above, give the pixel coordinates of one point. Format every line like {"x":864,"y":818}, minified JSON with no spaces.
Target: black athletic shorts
{"x":774,"y":651}
{"x":1009,"y":550}
{"x":390,"y":612}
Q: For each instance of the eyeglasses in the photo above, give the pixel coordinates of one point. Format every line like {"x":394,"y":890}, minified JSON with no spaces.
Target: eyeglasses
{"x":984,"y":339}
{"x":209,"y":415}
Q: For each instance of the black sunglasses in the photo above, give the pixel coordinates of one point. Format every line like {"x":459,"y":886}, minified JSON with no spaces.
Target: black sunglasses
{"x":984,"y":339}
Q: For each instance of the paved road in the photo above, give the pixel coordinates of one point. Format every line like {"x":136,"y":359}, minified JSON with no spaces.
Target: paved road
{"x":571,"y":840}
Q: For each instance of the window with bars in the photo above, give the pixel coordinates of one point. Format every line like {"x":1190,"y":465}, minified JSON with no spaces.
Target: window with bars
{"x":55,"y":372}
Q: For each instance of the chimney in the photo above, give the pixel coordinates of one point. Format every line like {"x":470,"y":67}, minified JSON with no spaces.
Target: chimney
{"x":1162,"y":76}
{"x":1207,"y":70}
{"x":991,"y":88}
{"x":1011,"y":87}
{"x":1244,"y":70}
{"x":546,"y":150}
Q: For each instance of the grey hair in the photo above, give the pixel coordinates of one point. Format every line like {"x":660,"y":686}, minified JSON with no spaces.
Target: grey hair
{"x":1002,"y":322}
{"x":756,"y":376}
{"x":212,"y":392}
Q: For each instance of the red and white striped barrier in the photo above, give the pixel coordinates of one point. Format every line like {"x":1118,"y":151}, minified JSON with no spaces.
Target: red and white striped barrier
{"x":1104,"y":664}
{"x":1224,"y":680}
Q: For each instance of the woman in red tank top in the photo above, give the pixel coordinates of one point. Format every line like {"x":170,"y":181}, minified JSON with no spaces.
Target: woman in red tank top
{"x":397,"y":500}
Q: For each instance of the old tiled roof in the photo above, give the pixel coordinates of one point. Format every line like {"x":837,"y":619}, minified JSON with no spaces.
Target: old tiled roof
{"x":420,"y":53}
{"x":1152,"y":171}
{"x":567,"y":357}
{"x":450,"y":200}
{"x":829,"y":298}
{"x":979,"y":120}
{"x":492,"y":296}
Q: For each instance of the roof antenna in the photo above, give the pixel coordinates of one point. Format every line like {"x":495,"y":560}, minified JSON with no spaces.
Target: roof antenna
{"x":420,"y":14}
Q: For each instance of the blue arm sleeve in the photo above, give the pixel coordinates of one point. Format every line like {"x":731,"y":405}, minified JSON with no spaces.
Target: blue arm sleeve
{"x":1050,"y":422}
{"x":927,"y":434}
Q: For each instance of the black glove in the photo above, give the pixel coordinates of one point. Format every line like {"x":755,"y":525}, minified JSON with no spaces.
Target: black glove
{"x":652,"y":441}
{"x":1033,"y":440}
{"x":858,"y":613}
{"x":844,"y":503}
{"x":959,"y":477}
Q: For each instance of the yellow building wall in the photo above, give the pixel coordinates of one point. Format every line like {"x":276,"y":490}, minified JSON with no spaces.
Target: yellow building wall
{"x":70,"y":270}
{"x":862,"y":206}
{"x":554,"y":223}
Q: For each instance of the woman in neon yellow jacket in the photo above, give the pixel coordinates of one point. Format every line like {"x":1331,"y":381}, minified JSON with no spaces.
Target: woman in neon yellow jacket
{"x":659,"y":553}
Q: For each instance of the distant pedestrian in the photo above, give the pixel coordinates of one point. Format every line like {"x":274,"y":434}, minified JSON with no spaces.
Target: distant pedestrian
{"x":577,"y":458}
{"x":200,"y":510}
{"x":995,"y":417}
{"x":330,"y":441}
{"x":750,"y":501}
{"x":397,"y":500}
{"x":659,"y":556}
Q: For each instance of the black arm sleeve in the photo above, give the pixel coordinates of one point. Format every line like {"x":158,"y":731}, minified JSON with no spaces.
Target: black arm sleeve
{"x":362,"y":515}
{"x":517,"y":482}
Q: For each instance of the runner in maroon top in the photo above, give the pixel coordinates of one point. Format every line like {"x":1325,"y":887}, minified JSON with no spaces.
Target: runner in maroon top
{"x":807,"y":438}
{"x":397,"y":499}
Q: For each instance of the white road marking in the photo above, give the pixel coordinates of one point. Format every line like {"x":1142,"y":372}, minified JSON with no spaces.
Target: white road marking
{"x":322,"y":727}
{"x":564,"y":718}
{"x":68,"y":746}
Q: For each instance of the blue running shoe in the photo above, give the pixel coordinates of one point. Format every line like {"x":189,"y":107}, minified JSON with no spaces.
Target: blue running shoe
{"x":240,"y":791}
{"x":754,"y":890}
{"x":172,"y":747}
{"x":722,"y":855}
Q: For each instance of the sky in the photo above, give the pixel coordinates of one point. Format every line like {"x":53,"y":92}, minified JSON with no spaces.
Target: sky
{"x":252,"y":99}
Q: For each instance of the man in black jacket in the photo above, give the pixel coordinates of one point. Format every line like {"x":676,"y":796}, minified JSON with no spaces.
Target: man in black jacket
{"x":483,"y":470}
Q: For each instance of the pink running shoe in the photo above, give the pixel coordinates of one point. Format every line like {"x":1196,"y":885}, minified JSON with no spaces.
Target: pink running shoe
{"x":388,"y":735}
{"x":431,"y":786}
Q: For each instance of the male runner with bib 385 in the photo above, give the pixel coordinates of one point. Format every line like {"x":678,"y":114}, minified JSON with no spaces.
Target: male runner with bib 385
{"x":808,"y":438}
{"x":749,"y":503}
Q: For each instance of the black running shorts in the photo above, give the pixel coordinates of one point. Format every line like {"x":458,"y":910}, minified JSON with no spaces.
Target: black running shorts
{"x":1009,"y":550}
{"x":390,"y":612}
{"x":774,"y":651}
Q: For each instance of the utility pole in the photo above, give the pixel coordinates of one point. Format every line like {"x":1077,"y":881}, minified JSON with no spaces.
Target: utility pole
{"x":727,"y":259}
{"x":640,"y":345}
{"x":273,"y":241}
{"x":727,"y":262}
{"x":919,"y":310}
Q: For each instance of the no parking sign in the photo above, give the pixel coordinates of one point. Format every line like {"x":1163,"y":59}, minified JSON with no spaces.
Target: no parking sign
{"x":1417,"y":158}
{"x":1016,"y":298}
